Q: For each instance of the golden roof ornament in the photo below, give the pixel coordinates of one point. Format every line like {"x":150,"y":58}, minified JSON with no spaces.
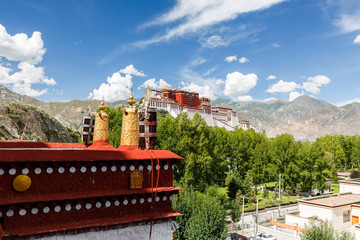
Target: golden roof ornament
{"x":130,"y":125}
{"x":101,"y":129}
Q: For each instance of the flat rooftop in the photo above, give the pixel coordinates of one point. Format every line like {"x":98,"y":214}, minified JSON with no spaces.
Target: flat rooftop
{"x":334,"y":200}
{"x":355,"y":181}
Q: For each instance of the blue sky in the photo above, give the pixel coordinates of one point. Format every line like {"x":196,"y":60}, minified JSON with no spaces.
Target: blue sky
{"x":242,"y":50}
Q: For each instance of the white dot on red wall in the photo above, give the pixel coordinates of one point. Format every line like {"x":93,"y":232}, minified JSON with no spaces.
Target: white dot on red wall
{"x":22,"y":212}
{"x":123,"y":168}
{"x":149,"y":199}
{"x":83,"y":169}
{"x":25,"y":171}
{"x":113,"y":168}
{"x":142,"y":200}
{"x":78,"y":206}
{"x":46,"y":209}
{"x":1,"y":171}
{"x":133,"y":201}
{"x":157,"y":167}
{"x":37,"y":170}
{"x":98,"y":205}
{"x":12,"y":171}
{"x":116,"y":203}
{"x":132,"y":168}
{"x":170,"y":198}
{"x":10,"y":213}
{"x":164,"y":198}
{"x":57,"y":209}
{"x":93,"y":169}
{"x":166,"y":167}
{"x":49,"y":170}
{"x":148,"y":168}
{"x":125,"y":202}
{"x":61,"y":170}
{"x":103,"y":168}
{"x":34,"y":210}
{"x":68,"y":207}
{"x":157,"y":199}
{"x":72,"y":169}
{"x":141,"y":167}
{"x":88,"y":206}
{"x":107,"y":204}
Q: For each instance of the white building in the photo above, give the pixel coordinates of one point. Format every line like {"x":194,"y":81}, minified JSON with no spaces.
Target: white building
{"x":336,"y":208}
{"x":352,"y":185}
{"x":342,"y":210}
{"x":177,"y":102}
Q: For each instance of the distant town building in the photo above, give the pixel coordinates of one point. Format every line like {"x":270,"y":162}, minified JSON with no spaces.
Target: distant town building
{"x":177,"y":102}
{"x":342,"y":210}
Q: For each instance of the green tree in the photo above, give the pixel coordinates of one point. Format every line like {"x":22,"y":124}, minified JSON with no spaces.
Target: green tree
{"x":318,"y":230}
{"x":203,"y":216}
{"x":283,"y":150}
{"x":207,"y":221}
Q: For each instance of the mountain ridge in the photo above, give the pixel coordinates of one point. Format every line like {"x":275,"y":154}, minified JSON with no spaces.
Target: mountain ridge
{"x":305,"y":117}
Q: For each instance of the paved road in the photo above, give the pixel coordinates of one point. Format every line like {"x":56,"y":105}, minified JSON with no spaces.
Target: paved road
{"x":265,"y":217}
{"x":278,"y":234}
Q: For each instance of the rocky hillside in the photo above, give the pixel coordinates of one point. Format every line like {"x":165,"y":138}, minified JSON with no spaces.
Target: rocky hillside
{"x":69,"y":114}
{"x":24,"y":122}
{"x":305,"y":117}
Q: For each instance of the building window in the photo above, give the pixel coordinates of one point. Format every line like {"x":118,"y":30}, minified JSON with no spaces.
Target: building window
{"x":346,"y":216}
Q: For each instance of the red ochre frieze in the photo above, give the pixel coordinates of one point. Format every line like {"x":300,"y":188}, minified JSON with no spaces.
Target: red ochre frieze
{"x":73,"y":187}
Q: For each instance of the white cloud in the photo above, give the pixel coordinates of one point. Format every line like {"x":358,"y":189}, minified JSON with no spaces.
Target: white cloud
{"x":204,"y":91}
{"x":191,"y":16}
{"x":20,"y":47}
{"x":27,"y":52}
{"x":118,"y":87}
{"x":208,"y":72}
{"x":270,"y":99}
{"x":153,"y":84}
{"x":243,"y":60}
{"x":219,"y":82}
{"x":276,"y":45}
{"x":130,"y":70}
{"x":357,"y":39}
{"x":230,"y":59}
{"x":238,"y":84}
{"x":22,"y":80}
{"x":313,"y":84}
{"x":245,"y":98}
{"x":197,"y":61}
{"x":271,"y":77}
{"x":319,"y":79}
{"x":282,"y":87}
{"x":294,"y":95}
{"x":214,"y":41}
{"x":346,"y":14}
{"x":348,"y":102}
{"x":348,"y":22}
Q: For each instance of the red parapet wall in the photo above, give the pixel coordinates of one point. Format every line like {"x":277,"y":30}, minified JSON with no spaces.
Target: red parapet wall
{"x":78,"y":188}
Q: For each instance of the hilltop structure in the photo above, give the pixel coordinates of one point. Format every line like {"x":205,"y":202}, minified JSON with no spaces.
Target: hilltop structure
{"x":72,"y":191}
{"x":177,"y":102}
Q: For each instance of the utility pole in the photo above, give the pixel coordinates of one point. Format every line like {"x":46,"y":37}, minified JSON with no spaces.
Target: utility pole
{"x":256,"y":217}
{"x":242,"y":217}
{"x":279,"y":193}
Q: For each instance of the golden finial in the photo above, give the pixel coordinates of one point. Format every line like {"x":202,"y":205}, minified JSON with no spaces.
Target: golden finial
{"x":101,"y":128}
{"x":130,"y":125}
{"x":131,"y":101}
{"x":102,"y":107}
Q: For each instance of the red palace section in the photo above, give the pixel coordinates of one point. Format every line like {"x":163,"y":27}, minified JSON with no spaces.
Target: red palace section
{"x":76,"y":188}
